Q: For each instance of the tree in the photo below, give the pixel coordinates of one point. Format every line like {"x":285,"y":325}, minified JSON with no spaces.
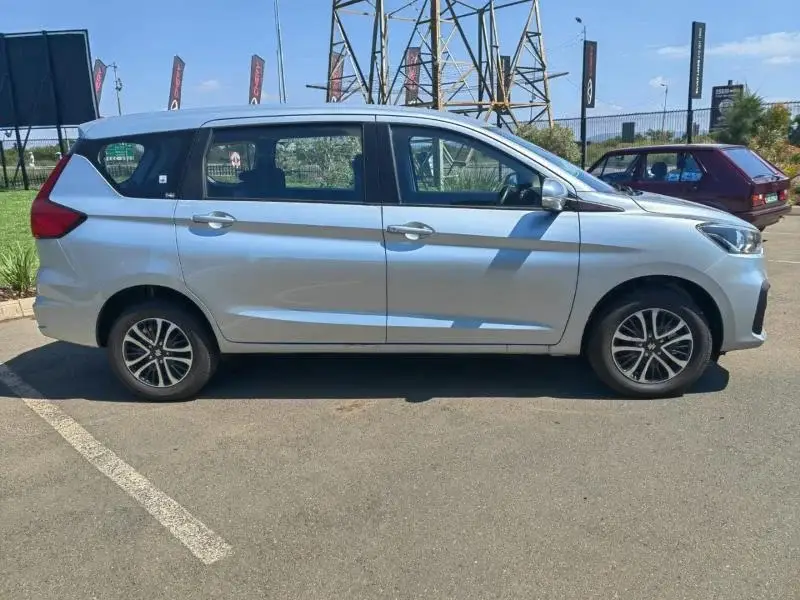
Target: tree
{"x":557,"y":139}
{"x":741,"y":119}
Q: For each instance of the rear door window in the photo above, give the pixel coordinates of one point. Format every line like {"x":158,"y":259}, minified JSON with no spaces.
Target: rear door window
{"x":662,"y":167}
{"x":304,"y":163}
{"x":751,"y":163}
{"x":672,"y":167}
{"x":144,"y":166}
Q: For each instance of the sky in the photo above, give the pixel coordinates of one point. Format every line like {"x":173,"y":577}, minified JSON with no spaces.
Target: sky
{"x":640,"y":45}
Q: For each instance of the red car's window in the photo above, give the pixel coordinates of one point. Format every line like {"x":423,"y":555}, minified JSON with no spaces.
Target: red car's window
{"x":751,"y":163}
{"x":617,"y":168}
{"x":672,"y":167}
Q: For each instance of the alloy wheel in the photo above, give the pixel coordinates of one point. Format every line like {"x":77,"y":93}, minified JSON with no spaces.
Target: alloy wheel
{"x":157,"y":353}
{"x":652,"y":346}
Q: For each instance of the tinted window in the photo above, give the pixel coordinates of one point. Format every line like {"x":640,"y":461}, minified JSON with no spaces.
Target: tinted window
{"x":617,"y":167}
{"x":662,"y":167}
{"x":146,"y":166}
{"x":440,"y":168}
{"x":749,"y":162}
{"x":672,"y":167}
{"x":318,"y":163}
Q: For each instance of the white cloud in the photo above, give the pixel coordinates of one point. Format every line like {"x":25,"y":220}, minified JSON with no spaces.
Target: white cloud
{"x":674,"y":51}
{"x":658,"y":82}
{"x":779,"y":48}
{"x":781,"y":60}
{"x":209,"y":85}
{"x":608,"y":106}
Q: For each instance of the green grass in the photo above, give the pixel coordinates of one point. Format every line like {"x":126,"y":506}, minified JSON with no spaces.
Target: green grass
{"x":15,"y":210}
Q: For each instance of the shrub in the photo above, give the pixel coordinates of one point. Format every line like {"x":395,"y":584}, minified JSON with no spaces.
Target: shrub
{"x":18,"y":268}
{"x":739,"y":122}
{"x":557,"y":139}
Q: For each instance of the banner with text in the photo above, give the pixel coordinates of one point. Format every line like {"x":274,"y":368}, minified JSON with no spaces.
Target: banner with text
{"x":412,"y":75}
{"x":589,"y":73}
{"x":98,"y":77}
{"x":256,"y":78}
{"x":697,"y":61}
{"x":335,"y":91}
{"x":176,"y":83}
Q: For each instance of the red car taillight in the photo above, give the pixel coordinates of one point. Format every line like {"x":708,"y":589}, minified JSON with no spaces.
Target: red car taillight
{"x":757,"y":199}
{"x":783,"y":195}
{"x":48,"y":219}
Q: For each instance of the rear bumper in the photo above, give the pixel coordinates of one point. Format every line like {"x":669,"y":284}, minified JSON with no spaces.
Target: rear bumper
{"x":66,"y":322}
{"x":763,"y":217}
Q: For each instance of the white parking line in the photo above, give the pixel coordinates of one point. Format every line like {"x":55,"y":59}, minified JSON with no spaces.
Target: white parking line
{"x":788,"y":262}
{"x":199,"y":539}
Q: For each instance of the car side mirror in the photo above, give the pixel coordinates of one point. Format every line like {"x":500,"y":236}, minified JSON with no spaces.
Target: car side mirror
{"x":554,"y":195}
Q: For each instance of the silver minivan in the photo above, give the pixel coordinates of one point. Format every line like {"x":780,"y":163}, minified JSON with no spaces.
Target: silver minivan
{"x":176,"y":237}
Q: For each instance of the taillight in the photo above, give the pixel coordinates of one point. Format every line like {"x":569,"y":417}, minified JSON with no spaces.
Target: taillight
{"x":757,"y":199}
{"x":48,"y":219}
{"x":783,"y":195}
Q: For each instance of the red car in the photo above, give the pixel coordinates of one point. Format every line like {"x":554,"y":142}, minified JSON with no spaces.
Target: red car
{"x":731,"y":178}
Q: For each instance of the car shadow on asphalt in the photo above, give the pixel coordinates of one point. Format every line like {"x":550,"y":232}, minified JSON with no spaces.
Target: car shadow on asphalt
{"x":64,"y":371}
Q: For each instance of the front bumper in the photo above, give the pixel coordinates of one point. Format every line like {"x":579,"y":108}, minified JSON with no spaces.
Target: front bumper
{"x":745,"y":289}
{"x":761,"y":309}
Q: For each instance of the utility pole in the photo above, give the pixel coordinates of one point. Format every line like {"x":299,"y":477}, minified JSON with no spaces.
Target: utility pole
{"x":281,"y":78}
{"x":117,"y":87}
{"x":436,"y":55}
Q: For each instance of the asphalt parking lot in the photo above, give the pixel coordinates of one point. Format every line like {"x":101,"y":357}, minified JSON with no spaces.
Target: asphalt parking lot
{"x":404,"y":477}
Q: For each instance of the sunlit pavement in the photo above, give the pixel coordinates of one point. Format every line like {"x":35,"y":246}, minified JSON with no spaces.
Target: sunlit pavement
{"x":412,"y":477}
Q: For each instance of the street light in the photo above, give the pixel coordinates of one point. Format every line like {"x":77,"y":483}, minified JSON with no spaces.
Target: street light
{"x":664,"y":115}
{"x":117,"y":87}
{"x":580,"y":21}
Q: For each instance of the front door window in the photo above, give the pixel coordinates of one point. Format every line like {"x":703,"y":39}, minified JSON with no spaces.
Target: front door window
{"x":440,"y":168}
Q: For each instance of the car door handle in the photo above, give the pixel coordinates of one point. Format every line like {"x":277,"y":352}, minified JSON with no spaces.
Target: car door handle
{"x":215,"y":219}
{"x":412,"y":231}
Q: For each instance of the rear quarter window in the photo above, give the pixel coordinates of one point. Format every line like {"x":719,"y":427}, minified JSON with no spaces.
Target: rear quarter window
{"x":141,"y":166}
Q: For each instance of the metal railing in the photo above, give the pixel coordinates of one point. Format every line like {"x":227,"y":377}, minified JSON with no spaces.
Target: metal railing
{"x":604,"y":133}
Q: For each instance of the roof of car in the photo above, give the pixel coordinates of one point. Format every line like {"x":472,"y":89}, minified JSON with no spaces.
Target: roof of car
{"x":670,"y":147}
{"x":176,"y":120}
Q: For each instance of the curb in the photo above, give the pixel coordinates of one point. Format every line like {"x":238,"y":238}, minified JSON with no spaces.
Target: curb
{"x":16,"y":309}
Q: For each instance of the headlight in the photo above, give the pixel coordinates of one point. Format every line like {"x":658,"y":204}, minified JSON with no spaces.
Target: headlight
{"x":733,"y":239}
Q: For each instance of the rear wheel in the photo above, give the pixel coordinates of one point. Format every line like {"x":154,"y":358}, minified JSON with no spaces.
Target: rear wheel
{"x":161,"y":352}
{"x":651,"y":344}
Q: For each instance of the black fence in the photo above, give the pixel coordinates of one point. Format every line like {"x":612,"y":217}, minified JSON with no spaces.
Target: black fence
{"x":604,"y":133}
{"x":39,"y":157}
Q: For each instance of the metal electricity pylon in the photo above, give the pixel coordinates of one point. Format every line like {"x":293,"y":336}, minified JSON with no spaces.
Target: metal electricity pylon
{"x":449,"y":55}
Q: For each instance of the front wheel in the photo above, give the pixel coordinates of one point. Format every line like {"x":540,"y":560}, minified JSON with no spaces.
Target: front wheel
{"x":651,"y":344}
{"x":161,"y":352}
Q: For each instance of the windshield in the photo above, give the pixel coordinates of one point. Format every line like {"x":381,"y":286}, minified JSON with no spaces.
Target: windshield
{"x":751,"y":163}
{"x":574,"y":170}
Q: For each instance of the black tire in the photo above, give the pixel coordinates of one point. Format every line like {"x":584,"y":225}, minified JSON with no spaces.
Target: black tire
{"x":599,"y":345}
{"x":204,"y":353}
